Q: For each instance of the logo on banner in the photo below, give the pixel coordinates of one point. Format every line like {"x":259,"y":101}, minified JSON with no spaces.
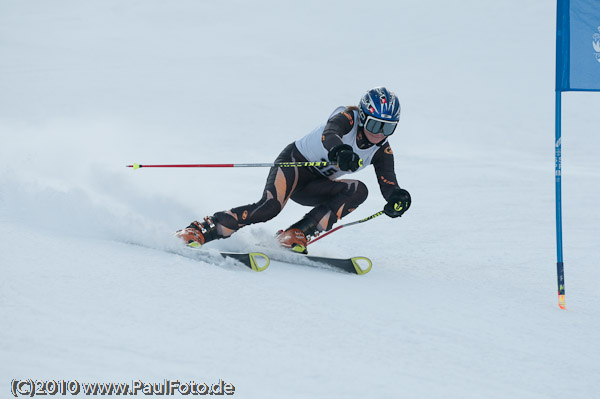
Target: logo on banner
{"x":596,"y":44}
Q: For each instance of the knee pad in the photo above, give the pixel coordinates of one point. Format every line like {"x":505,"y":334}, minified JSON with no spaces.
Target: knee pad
{"x":357,"y":192}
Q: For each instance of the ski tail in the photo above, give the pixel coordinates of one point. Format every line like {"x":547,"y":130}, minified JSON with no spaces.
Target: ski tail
{"x":256,"y":261}
{"x":358,"y":268}
{"x":357,"y":265}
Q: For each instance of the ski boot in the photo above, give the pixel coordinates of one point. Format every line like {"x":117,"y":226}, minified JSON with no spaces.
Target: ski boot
{"x":198,"y":233}
{"x":293,"y":239}
{"x":297,"y":236}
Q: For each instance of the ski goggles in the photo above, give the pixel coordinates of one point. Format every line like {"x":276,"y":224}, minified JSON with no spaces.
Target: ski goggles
{"x":377,"y":126}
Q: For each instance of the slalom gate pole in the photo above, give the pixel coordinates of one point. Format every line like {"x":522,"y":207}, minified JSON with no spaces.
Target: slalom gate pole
{"x":373,"y":216}
{"x":236,"y":165}
{"x":560,"y":267}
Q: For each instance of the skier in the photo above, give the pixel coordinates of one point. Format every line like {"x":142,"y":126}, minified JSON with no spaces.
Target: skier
{"x":352,"y":138}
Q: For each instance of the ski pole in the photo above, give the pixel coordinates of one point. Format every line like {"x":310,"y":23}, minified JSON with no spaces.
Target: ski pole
{"x":235,"y":165}
{"x":373,"y":216}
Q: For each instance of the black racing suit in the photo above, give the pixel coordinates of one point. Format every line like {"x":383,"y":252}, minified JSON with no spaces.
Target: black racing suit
{"x":331,"y":199}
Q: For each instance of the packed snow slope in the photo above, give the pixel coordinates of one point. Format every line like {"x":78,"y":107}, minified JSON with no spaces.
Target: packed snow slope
{"x":461,"y":300}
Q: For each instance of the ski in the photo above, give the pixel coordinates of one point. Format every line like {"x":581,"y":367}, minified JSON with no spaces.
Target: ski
{"x":348,"y":265}
{"x":355,"y":265}
{"x":256,"y":261}
{"x":249,"y":259}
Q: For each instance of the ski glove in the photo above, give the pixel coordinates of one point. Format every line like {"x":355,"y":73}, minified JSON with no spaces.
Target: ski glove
{"x":345,"y":158}
{"x":398,"y":203}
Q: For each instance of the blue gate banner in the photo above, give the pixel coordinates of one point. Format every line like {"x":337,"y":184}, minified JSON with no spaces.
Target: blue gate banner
{"x":578,"y":45}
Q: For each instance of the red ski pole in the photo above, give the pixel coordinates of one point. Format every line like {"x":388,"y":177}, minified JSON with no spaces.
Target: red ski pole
{"x":373,"y":216}
{"x":234,"y":165}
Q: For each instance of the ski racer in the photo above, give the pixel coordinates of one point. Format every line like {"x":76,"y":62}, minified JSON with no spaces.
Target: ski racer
{"x":352,"y":138}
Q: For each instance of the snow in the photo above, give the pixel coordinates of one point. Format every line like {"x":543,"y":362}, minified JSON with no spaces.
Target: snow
{"x":461,"y":301}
